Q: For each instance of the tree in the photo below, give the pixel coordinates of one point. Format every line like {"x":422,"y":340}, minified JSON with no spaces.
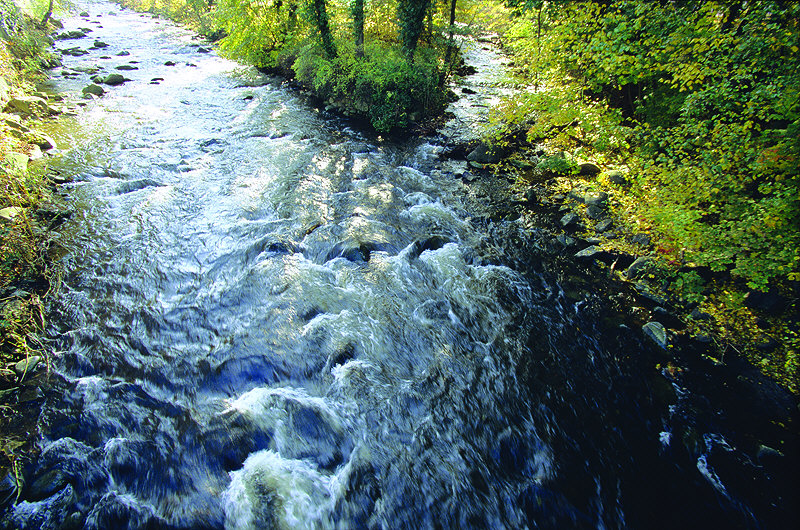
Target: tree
{"x":320,"y":14}
{"x":411,"y":14}
{"x":357,"y":11}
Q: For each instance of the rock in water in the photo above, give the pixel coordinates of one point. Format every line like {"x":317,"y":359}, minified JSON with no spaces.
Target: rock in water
{"x":27,"y":366}
{"x":657,"y":333}
{"x":94,"y":90}
{"x":485,"y":154}
{"x":114,"y":79}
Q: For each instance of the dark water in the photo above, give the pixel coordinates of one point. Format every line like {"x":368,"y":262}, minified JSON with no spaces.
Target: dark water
{"x":269,"y":320}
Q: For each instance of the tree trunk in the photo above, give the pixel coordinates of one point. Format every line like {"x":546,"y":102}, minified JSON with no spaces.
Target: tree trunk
{"x":412,"y":23}
{"x":49,"y":13}
{"x":358,"y":26}
{"x":450,"y":44}
{"x":320,"y":13}
{"x":450,"y":41}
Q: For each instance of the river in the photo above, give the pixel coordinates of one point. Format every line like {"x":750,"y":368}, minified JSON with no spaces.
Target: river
{"x":269,"y":319}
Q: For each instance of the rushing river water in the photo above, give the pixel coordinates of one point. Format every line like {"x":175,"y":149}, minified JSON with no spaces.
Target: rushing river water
{"x":270,"y":320}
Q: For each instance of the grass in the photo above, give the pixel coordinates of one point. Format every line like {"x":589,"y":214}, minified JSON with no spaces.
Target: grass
{"x":25,"y":274}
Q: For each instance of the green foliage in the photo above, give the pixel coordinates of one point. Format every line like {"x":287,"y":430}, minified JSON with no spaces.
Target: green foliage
{"x":701,"y":99}
{"x":383,"y":86}
{"x":559,"y":165}
{"x":362,"y":73}
{"x":689,"y":286}
{"x":411,"y":19}
{"x":25,"y":43}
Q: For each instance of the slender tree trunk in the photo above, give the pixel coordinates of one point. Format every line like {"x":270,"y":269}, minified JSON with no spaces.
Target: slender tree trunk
{"x":448,"y":55}
{"x":358,"y":26}
{"x":48,"y":14}
{"x":320,"y":13}
{"x":450,"y":42}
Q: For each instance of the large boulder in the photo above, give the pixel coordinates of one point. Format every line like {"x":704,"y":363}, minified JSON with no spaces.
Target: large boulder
{"x":28,"y":105}
{"x":595,"y":198}
{"x":93,"y":90}
{"x":638,"y":268}
{"x":486,"y":154}
{"x":16,"y":163}
{"x":115,"y":79}
{"x":42,"y":140}
{"x":588,"y":168}
{"x":5,"y":91}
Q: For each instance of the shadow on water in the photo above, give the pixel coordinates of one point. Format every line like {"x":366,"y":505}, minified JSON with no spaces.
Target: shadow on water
{"x":270,"y":321}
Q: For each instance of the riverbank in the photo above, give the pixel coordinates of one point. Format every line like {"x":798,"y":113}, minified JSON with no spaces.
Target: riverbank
{"x":594,"y":219}
{"x":649,"y":167}
{"x":700,"y":391}
{"x":29,"y":211}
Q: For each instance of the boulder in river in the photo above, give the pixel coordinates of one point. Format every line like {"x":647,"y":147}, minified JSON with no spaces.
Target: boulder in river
{"x":40,"y":139}
{"x":656,"y":332}
{"x":486,"y":154}
{"x":72,"y":34}
{"x":94,"y":90}
{"x":74,"y":52}
{"x":114,"y":79}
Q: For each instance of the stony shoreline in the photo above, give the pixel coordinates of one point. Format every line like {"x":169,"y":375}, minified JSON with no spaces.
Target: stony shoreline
{"x":569,"y":227}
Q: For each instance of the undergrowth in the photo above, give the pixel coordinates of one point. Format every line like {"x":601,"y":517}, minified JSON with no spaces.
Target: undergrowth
{"x":25,"y":274}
